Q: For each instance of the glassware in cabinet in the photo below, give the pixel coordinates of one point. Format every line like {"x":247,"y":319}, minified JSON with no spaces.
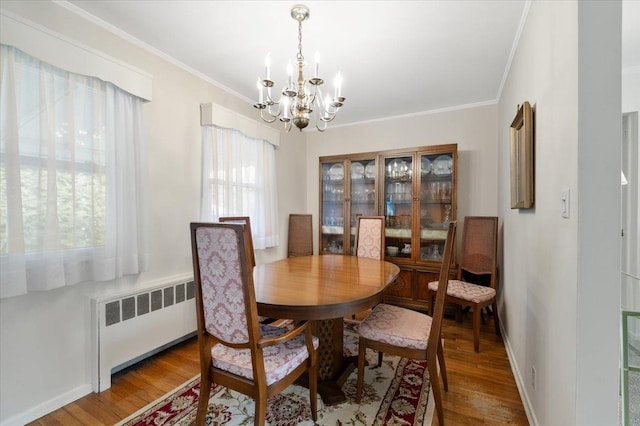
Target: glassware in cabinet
{"x":362,"y":194}
{"x":398,"y":207}
{"x":333,"y":206}
{"x":348,"y":189}
{"x":437,"y":195}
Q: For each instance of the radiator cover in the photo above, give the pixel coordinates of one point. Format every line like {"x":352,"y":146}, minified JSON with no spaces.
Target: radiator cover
{"x":131,"y":326}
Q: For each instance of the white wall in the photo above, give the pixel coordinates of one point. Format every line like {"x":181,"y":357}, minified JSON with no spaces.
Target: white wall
{"x":554,"y":292}
{"x":45,"y":337}
{"x":473,"y":129}
{"x":631,"y":90}
{"x":599,"y":130}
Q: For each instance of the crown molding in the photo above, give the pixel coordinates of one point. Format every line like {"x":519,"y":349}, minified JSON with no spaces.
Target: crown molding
{"x":137,"y":42}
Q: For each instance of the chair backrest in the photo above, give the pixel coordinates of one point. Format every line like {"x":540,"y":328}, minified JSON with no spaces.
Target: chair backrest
{"x":479,"y":251}
{"x":246,"y":221}
{"x":300,"y":240}
{"x":225,"y":297}
{"x":370,"y":237}
{"x":441,"y":295}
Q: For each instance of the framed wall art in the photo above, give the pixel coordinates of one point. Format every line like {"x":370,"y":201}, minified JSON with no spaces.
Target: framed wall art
{"x":521,"y":149}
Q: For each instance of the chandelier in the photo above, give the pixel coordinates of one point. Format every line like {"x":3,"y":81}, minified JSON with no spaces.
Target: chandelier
{"x":299,"y":99}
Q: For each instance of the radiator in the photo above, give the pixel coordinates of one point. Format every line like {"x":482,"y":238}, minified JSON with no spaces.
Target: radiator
{"x":127,"y":328}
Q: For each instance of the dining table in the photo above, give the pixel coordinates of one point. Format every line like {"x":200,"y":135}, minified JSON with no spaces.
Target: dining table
{"x":323,"y":289}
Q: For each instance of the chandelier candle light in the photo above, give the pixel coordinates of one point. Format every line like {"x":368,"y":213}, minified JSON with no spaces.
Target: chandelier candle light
{"x":301,"y":98}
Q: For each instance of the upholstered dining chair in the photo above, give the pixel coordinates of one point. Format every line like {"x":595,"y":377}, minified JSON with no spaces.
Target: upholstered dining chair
{"x":369,"y":239}
{"x":246,"y":221}
{"x":478,"y":258}
{"x":300,"y":239}
{"x":236,"y":351}
{"x":406,"y":333}
{"x":247,"y":229}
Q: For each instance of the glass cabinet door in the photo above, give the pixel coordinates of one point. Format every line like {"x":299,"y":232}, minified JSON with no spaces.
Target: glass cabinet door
{"x":398,"y":196}
{"x":333,"y":207}
{"x":362,"y":193}
{"x":437,"y":191}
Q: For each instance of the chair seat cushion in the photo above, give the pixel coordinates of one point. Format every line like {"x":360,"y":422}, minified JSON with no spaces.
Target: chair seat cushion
{"x":279,"y":360}
{"x":396,"y":326}
{"x":466,"y":291}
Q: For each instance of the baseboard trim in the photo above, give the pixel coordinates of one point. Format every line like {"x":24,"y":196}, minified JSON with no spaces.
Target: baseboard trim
{"x":60,"y":401}
{"x":48,"y":406}
{"x":520,"y":383}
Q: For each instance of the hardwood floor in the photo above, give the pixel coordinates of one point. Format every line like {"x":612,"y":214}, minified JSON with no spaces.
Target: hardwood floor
{"x":482,"y":389}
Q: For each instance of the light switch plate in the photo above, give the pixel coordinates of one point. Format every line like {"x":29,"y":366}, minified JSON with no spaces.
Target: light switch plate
{"x":566,"y":203}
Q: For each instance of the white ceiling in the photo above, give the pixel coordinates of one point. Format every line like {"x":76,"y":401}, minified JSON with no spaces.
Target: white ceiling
{"x":396,"y":57}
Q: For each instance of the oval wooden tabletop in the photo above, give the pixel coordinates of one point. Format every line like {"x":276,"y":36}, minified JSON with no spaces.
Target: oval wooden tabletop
{"x":321,"y":287}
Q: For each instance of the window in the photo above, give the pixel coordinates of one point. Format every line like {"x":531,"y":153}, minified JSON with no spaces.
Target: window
{"x":70,"y":177}
{"x":239,"y":180}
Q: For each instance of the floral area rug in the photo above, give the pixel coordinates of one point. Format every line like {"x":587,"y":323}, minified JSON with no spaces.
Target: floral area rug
{"x":397,"y":393}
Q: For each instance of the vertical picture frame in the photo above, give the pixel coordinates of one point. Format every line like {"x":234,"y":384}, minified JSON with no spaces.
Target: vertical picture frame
{"x":521,"y":153}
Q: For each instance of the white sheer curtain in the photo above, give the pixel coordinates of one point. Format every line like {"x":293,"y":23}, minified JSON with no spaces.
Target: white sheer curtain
{"x":239,"y":179}
{"x":72,"y":173}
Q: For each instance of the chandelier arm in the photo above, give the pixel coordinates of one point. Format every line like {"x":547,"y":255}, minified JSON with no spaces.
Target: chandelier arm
{"x":312,"y":97}
{"x":270,"y":99}
{"x":329,"y":118}
{"x":268,"y":120}
{"x":272,"y":113}
{"x":321,"y":124}
{"x":331,"y":111}
{"x":319,"y":119}
{"x":321,"y":102}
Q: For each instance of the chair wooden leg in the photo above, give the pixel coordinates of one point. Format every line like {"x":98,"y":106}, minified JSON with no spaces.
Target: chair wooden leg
{"x":432,"y":297}
{"x":362,"y":351}
{"x":260,"y":415}
{"x":496,"y":321}
{"x":459,"y":313}
{"x":203,"y":401}
{"x":435,"y":387}
{"x":443,"y":367}
{"x":476,"y":328}
{"x":379,"y":359}
{"x":313,"y":388}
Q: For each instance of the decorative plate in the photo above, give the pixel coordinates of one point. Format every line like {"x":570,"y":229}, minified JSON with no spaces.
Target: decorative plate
{"x":370,"y":170}
{"x":426,"y":165}
{"x":443,"y":165}
{"x":336,"y":172}
{"x":357,"y":170}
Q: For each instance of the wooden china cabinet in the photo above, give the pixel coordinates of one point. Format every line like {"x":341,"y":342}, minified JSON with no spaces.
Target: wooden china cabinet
{"x":415,"y":189}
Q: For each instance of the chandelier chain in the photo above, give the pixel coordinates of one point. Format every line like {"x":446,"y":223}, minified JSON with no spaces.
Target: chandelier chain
{"x":300,"y":57}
